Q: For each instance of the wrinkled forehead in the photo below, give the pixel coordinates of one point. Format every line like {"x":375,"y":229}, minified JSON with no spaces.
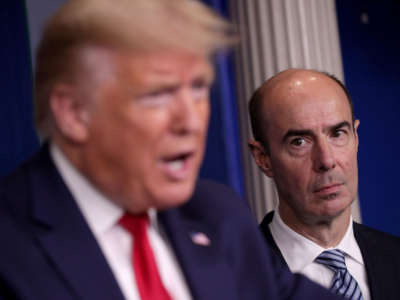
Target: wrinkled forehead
{"x":305,"y":99}
{"x":102,"y":62}
{"x":139,"y":72}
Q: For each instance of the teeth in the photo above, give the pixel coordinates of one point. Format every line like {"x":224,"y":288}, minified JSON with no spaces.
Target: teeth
{"x":175,"y":165}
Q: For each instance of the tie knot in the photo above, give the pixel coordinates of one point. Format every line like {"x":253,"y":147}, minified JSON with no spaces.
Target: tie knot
{"x":333,"y":259}
{"x":135,"y":224}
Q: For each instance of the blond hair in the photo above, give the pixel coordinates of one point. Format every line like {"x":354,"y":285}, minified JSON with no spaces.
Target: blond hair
{"x":134,"y":25}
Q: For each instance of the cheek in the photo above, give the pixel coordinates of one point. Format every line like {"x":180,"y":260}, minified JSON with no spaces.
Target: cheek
{"x":293,"y":169}
{"x":349,"y":163}
{"x":352,"y":173}
{"x":291,"y":174}
{"x":143,"y":127}
{"x":204,"y":114}
{"x":295,"y":176}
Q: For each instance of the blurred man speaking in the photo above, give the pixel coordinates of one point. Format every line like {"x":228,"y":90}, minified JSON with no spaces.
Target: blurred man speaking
{"x":103,"y":211}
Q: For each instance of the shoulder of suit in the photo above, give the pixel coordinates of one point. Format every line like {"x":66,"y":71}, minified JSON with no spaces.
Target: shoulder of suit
{"x":215,"y":199}
{"x":376,"y":237}
{"x":16,"y":187}
{"x":33,"y":164}
{"x":209,"y":190}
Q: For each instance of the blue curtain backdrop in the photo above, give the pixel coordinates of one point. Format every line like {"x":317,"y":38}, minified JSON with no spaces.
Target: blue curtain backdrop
{"x":369,"y":34}
{"x":223,"y":158}
{"x":18,"y":138}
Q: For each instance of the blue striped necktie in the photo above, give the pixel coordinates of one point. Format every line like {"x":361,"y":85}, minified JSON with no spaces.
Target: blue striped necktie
{"x":342,"y":283}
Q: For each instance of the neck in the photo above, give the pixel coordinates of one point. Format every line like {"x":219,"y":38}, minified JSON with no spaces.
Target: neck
{"x":326,"y":232}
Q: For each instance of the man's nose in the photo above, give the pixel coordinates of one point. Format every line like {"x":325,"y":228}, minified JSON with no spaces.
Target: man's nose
{"x":324,"y":156}
{"x":189,"y":114}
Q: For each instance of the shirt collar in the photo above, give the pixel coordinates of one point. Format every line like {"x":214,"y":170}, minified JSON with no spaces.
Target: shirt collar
{"x":349,"y":244}
{"x":100,"y":212}
{"x":299,"y":251}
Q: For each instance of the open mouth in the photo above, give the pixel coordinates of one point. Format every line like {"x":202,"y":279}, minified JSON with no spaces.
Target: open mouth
{"x":178,"y":166}
{"x":178,"y":162}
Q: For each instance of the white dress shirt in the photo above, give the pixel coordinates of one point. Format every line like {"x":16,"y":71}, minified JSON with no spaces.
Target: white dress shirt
{"x":300,"y":252}
{"x":102,"y":216}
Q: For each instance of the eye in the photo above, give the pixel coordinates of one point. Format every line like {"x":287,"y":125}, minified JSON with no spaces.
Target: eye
{"x":298,"y":142}
{"x":200,"y":89}
{"x":340,"y":137}
{"x":338,"y":133}
{"x":157,"y":98}
{"x":299,"y":146}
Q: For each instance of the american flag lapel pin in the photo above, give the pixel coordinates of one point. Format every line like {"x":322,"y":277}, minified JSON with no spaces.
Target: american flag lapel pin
{"x":200,"y":238}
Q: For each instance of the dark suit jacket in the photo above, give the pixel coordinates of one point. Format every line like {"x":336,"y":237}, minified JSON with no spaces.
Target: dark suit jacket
{"x":380,"y":253}
{"x":49,"y":253}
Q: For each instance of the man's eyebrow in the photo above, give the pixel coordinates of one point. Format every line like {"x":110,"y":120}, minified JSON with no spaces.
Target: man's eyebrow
{"x":303,"y":132}
{"x":340,"y":125}
{"x":206,"y":77}
{"x":200,"y":80}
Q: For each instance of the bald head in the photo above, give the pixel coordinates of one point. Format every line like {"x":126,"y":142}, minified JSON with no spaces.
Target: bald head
{"x":307,"y":142}
{"x":284,"y":90}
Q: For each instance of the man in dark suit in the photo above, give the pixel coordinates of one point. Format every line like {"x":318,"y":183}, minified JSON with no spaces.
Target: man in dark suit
{"x":102,"y":211}
{"x":306,"y":140}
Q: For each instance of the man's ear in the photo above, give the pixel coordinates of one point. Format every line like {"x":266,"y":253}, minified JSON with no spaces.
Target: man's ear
{"x":356,"y":124}
{"x":261,"y":157}
{"x":70,"y":115}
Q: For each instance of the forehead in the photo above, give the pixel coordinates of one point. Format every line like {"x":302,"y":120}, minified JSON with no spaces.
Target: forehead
{"x":306,"y":101}
{"x":147,"y":68}
{"x":144,"y":68}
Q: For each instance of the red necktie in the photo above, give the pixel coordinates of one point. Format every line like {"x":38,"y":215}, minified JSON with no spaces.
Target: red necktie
{"x":144,"y":265}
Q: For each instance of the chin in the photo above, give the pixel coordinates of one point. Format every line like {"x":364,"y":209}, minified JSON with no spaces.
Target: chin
{"x":335,"y":204}
{"x":173,"y":196}
{"x":332,"y":213}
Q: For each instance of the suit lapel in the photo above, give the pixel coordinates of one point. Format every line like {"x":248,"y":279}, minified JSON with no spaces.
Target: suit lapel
{"x":206,"y":273}
{"x":373,"y":264}
{"x":264,"y":227}
{"x":65,"y":238}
